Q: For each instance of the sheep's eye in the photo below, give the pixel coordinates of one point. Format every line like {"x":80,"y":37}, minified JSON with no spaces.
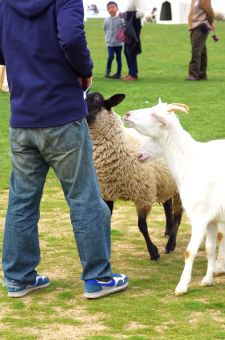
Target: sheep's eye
{"x":97,"y":98}
{"x":152,"y":114}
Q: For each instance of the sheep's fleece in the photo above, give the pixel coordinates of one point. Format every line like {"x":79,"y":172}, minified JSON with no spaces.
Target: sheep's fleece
{"x":120,"y":175}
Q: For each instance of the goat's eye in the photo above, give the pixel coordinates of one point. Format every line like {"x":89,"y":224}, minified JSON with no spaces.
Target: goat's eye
{"x":152,"y":114}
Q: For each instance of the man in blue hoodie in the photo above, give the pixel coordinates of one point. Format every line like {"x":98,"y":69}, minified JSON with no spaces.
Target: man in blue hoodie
{"x":43,"y":45}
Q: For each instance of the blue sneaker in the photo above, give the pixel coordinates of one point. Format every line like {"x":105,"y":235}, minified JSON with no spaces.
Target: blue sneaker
{"x":94,"y":289}
{"x":40,"y":282}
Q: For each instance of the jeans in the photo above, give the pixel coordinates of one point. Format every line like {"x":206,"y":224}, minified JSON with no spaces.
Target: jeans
{"x":117,"y":50}
{"x":198,"y":64}
{"x":131,"y":61}
{"x":68,"y":150}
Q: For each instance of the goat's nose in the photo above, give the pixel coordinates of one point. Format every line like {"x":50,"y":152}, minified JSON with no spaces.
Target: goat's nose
{"x":139,"y":155}
{"x":128,"y":114}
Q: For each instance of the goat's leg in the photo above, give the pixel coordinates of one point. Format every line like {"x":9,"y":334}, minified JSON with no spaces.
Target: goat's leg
{"x":168,"y":209}
{"x":110,"y":205}
{"x":220,"y":263}
{"x":142,"y":224}
{"x":198,"y":231}
{"x":210,"y":245}
{"x":171,"y":244}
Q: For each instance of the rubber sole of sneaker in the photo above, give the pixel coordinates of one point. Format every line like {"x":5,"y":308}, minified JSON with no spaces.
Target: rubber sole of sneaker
{"x":105,"y":292}
{"x":26,"y":291}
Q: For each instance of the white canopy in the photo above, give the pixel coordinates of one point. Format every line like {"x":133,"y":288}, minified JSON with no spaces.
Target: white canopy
{"x":173,"y":12}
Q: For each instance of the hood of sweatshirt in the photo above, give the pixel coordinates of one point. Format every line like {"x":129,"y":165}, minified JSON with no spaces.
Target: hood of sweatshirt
{"x":29,"y":8}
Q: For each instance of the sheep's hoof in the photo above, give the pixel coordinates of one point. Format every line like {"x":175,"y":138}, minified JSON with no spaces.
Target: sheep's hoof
{"x":168,"y":251}
{"x":157,"y":260}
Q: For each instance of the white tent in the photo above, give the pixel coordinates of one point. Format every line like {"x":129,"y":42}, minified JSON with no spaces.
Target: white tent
{"x":173,"y":12}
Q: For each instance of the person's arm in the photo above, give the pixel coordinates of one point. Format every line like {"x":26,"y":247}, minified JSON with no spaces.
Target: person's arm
{"x":206,"y":6}
{"x":104,"y":25}
{"x":140,"y":9}
{"x":72,"y":38}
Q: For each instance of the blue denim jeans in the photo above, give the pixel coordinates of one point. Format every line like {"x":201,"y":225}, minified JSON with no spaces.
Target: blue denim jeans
{"x":131,"y":61}
{"x":68,"y":150}
{"x":117,"y":50}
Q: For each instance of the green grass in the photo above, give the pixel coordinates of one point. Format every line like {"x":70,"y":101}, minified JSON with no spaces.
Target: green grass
{"x":148,"y":309}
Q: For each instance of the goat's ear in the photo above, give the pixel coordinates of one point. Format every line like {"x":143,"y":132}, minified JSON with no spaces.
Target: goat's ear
{"x":114,"y":101}
{"x":160,"y":119}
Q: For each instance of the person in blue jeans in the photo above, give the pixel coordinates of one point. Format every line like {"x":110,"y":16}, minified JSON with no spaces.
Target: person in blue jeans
{"x":44,"y":48}
{"x":111,"y":26}
{"x":137,"y":7}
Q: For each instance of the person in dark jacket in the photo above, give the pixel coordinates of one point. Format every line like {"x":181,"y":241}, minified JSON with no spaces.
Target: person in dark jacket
{"x":43,"y":45}
{"x":132,"y":50}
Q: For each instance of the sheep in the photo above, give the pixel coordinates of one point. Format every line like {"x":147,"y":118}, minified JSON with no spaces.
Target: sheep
{"x":219,"y":16}
{"x":198,"y":170}
{"x":120,"y":174}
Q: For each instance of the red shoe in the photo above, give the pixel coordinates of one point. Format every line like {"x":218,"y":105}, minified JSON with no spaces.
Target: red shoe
{"x":191,"y":78}
{"x":125,"y":77}
{"x":130,"y":79}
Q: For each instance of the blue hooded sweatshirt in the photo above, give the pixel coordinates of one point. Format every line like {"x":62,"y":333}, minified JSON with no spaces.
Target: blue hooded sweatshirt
{"x":43,"y":45}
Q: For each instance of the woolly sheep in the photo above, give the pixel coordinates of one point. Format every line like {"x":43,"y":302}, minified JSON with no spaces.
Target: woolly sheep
{"x":219,"y":16}
{"x":122,"y":177}
{"x":198,"y":169}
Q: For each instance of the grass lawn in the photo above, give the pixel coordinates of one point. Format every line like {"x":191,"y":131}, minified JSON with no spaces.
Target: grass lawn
{"x":147,"y":309}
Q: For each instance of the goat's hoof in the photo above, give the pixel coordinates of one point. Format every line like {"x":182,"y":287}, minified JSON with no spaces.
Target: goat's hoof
{"x":218,"y":273}
{"x":220,"y":268}
{"x":179,"y":293}
{"x":181,"y":288}
{"x":206,"y":282}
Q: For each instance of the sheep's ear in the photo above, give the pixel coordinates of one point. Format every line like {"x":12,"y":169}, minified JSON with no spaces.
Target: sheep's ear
{"x":114,"y":101}
{"x":160,"y":119}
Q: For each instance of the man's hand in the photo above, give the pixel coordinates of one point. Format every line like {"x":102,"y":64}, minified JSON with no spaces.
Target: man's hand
{"x":120,"y":15}
{"x":85,"y":83}
{"x":213,"y":27}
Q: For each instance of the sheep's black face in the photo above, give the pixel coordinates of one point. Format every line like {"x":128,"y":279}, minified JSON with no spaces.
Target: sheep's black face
{"x":95,"y":102}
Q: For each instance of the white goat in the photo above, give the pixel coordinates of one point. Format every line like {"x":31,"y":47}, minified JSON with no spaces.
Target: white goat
{"x":149,"y":151}
{"x":198,"y":170}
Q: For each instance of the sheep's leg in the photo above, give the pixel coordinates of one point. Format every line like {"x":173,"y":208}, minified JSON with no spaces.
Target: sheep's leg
{"x":142,"y":224}
{"x":198,"y":231}
{"x":220,"y":263}
{"x":169,"y":217}
{"x":171,"y":244}
{"x":210,"y":245}
{"x":110,"y":205}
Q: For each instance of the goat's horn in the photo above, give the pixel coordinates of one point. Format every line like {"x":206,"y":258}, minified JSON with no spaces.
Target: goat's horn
{"x":182,"y":105}
{"x":175,"y":107}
